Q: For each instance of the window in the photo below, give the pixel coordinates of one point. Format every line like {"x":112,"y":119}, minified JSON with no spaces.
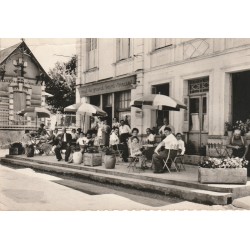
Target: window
{"x":124,"y":99}
{"x":123,"y":48}
{"x":199,"y":85}
{"x":162,"y":42}
{"x":92,"y":52}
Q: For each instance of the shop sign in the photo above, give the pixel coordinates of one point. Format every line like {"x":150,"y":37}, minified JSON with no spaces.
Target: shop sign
{"x":108,"y":87}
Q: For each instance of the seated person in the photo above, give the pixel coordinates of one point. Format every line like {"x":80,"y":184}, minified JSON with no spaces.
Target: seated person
{"x":64,"y":142}
{"x":170,"y":145}
{"x":181,"y":144}
{"x":84,"y":142}
{"x":49,"y":143}
{"x":150,"y":136}
{"x":165,"y":124}
{"x":135,"y":147}
{"x":56,"y":132}
{"x":41,"y":131}
{"x":135,"y":132}
{"x":238,"y":144}
{"x":80,"y":141}
{"x":88,"y":140}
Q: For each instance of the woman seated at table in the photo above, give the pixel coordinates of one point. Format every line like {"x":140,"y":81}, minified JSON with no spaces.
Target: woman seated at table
{"x":150,"y":136}
{"x":238,"y":144}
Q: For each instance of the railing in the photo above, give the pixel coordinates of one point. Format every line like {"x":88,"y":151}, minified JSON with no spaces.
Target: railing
{"x":60,"y":120}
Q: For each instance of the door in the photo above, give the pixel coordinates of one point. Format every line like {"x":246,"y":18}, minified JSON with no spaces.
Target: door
{"x":198,"y":121}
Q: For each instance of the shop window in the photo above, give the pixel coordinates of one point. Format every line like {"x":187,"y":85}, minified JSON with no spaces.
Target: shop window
{"x":107,"y":100}
{"x":123,"y":48}
{"x":92,"y":52}
{"x":161,"y":43}
{"x":124,"y":99}
{"x":95,"y":100}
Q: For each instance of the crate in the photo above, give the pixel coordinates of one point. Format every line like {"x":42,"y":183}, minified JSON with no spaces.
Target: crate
{"x":16,"y":149}
{"x":92,"y":159}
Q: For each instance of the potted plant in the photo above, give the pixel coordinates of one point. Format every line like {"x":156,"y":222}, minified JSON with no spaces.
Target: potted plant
{"x":229,"y":128}
{"x":109,"y":157}
{"x":228,"y":170}
{"x":242,"y":126}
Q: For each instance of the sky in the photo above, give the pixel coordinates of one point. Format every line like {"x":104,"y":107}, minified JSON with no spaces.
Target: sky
{"x":46,"y":50}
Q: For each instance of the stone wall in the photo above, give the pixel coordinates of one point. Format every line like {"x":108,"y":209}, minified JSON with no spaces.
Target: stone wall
{"x":9,"y":136}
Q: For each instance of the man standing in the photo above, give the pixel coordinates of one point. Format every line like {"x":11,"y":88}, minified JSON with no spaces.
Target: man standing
{"x":170,"y":145}
{"x":64,"y":143}
{"x":165,"y":124}
{"x":124,"y":131}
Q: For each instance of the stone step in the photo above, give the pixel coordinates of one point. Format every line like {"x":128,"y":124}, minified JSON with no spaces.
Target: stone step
{"x":186,"y":193}
{"x":134,"y":175}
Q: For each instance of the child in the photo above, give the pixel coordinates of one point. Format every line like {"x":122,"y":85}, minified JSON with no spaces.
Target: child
{"x":135,"y":147}
{"x":181,"y":144}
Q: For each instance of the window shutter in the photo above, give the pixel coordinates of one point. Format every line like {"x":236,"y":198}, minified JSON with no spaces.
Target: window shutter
{"x":125,"y":49}
{"x":186,"y":115}
{"x":88,"y":40}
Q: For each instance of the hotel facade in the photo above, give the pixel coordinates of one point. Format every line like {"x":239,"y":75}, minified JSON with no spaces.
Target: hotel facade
{"x":211,"y":76}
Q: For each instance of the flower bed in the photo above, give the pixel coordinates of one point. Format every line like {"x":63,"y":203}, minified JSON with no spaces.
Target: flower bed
{"x":223,"y":171}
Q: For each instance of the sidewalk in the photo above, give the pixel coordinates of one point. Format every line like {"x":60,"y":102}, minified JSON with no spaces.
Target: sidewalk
{"x":182,"y":184}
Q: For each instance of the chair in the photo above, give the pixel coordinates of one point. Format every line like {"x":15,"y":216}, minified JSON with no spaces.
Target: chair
{"x":118,"y":152}
{"x":136,"y":159}
{"x":170,"y":161}
{"x":179,"y":162}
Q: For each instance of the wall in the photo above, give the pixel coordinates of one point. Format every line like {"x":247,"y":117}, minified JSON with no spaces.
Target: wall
{"x":186,"y":59}
{"x":216,"y":65}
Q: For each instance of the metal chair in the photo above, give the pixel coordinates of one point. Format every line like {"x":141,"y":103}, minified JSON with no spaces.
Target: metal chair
{"x":136,"y":159}
{"x":169,"y":161}
{"x":118,"y":152}
{"x":179,"y":162}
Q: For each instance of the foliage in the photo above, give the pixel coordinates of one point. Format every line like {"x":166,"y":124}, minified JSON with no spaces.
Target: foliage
{"x":92,"y":150}
{"x":108,"y":150}
{"x":228,"y":126}
{"x":224,"y":163}
{"x":62,"y":85}
{"x":242,"y":126}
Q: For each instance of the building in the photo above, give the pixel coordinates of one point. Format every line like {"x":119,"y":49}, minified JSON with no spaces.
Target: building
{"x":211,"y":76}
{"x":22,"y":81}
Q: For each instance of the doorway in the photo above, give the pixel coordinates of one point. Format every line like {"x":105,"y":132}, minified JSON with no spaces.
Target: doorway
{"x":240,"y":98}
{"x":162,"y":89}
{"x":198,"y":114}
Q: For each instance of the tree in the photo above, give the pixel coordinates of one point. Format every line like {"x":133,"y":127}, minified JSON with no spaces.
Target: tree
{"x":62,"y":85}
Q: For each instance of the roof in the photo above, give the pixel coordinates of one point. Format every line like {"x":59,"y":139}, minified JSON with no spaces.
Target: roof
{"x":5,"y":53}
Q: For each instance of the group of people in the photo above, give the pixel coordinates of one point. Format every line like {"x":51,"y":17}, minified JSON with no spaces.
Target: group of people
{"x":119,"y":136}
